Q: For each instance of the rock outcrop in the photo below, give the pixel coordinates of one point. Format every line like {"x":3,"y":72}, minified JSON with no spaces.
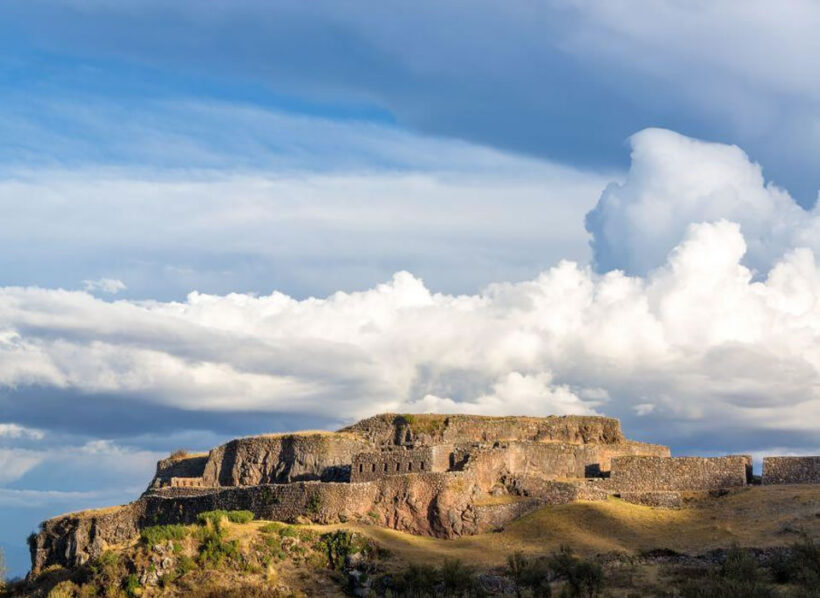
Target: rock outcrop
{"x":283,"y":458}
{"x":425,"y":429}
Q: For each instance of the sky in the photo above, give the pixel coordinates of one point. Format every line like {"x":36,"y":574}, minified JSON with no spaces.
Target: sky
{"x":223,"y":218}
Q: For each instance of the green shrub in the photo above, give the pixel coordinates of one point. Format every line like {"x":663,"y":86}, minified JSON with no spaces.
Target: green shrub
{"x":739,"y":576}
{"x":800,"y":566}
{"x":338,"y":546}
{"x":456,"y":577}
{"x":212,"y":517}
{"x":584,"y":579}
{"x":530,"y":574}
{"x":131,"y":584}
{"x":158,"y":534}
{"x":240,"y":516}
{"x":216,"y":517}
{"x":417,"y":580}
{"x":274,"y":527}
{"x":453,"y":578}
{"x":214,"y":551}
{"x":314,"y":504}
{"x":185,"y":564}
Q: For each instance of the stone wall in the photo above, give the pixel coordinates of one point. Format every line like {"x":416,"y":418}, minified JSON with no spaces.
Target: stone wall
{"x":177,"y":482}
{"x":642,"y":474}
{"x":282,"y":459}
{"x":391,"y":428}
{"x":791,"y":470}
{"x":663,"y":499}
{"x":554,"y":460}
{"x":492,"y":518}
{"x":373,"y":465}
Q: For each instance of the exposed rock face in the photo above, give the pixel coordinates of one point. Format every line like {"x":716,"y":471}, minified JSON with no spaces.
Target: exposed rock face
{"x":72,"y":540}
{"x":391,"y":428}
{"x":183,"y":466}
{"x":438,"y":505}
{"x":281,"y":459}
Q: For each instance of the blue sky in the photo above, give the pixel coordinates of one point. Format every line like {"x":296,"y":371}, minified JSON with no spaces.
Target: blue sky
{"x":224,"y":218}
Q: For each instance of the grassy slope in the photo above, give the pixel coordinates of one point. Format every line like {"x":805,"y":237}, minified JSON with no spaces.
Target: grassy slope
{"x":754,"y":516}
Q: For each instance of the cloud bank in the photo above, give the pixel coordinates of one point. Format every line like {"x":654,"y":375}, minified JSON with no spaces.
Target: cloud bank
{"x":696,"y":342}
{"x":701,"y":331}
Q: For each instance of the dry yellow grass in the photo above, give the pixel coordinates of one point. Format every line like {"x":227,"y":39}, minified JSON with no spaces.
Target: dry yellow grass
{"x":755,"y":516}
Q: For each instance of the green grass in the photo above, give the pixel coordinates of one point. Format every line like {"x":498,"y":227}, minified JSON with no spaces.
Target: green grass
{"x":216,"y":517}
{"x":158,"y":534}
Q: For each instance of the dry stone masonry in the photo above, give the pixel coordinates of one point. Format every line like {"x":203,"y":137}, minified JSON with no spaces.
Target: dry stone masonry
{"x":435,"y":475}
{"x":791,"y":470}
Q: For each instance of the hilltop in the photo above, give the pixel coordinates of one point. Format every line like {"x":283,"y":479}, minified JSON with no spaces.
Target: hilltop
{"x":468,"y":487}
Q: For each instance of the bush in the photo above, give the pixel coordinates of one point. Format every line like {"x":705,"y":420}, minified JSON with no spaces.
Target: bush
{"x":240,"y":516}
{"x":274,"y":527}
{"x":739,"y":576}
{"x":131,"y":585}
{"x":216,"y":517}
{"x":179,"y":454}
{"x":338,"y":546}
{"x":158,"y":534}
{"x":2,"y":570}
{"x":314,"y":504}
{"x":584,"y":579}
{"x":456,"y":577}
{"x":417,"y":580}
{"x":531,"y":574}
{"x":800,"y":566}
{"x":214,"y":550}
{"x":452,"y":579}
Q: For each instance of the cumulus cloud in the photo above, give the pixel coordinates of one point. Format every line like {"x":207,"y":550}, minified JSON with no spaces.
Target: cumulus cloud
{"x":675,"y":181}
{"x":696,"y":340}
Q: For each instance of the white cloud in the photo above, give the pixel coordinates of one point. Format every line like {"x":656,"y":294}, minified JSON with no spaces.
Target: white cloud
{"x":675,"y":181}
{"x":111,"y":286}
{"x":696,"y":340}
{"x":15,"y":463}
{"x":17,"y":431}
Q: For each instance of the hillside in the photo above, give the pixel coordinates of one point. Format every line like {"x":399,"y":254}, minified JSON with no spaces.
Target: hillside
{"x":217,"y":557}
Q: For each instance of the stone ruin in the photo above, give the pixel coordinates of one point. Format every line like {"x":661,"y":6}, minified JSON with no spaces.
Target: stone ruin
{"x":436,"y":475}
